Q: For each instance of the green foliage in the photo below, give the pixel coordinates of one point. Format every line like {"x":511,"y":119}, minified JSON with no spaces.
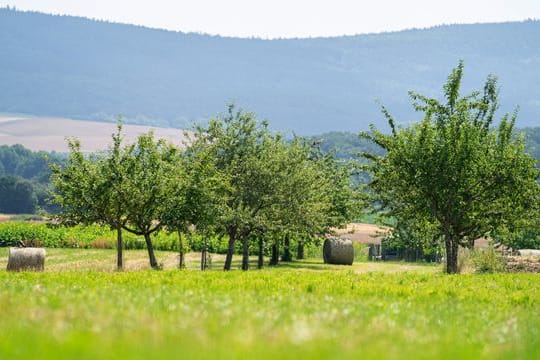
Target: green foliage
{"x":344,"y":145}
{"x":100,"y":237}
{"x":453,"y":169}
{"x":78,"y":189}
{"x":528,"y":237}
{"x":24,"y":179}
{"x":197,"y":191}
{"x":124,"y":188}
{"x":347,"y":145}
{"x":314,"y":250}
{"x":347,"y":199}
{"x":213,"y":243}
{"x":234,"y":178}
{"x":147,"y":176}
{"x":487,"y":261}
{"x":532,"y":139}
{"x":38,"y":234}
{"x":149,"y":164}
{"x":415,"y":240}
{"x":269,"y":187}
{"x":16,"y":196}
{"x":16,"y":160}
{"x":87,"y":237}
{"x":361,"y":252}
{"x":313,"y":314}
{"x":240,"y":149}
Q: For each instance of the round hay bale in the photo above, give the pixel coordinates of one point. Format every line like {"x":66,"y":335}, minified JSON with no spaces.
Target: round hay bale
{"x":26,"y":259}
{"x":338,"y":251}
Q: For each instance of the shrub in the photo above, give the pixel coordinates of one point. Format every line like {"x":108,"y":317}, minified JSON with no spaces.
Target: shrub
{"x":166,"y":241}
{"x":31,"y":234}
{"x":215,"y":244}
{"x":135,"y":243}
{"x":313,"y":251}
{"x":101,"y":243}
{"x":361,"y":252}
{"x":487,"y":261}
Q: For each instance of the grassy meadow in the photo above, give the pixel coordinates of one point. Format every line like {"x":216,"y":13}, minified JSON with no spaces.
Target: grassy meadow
{"x":299,"y":310}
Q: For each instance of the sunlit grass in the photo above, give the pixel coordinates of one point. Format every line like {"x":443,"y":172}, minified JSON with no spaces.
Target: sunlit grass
{"x":105,"y":260}
{"x":301,"y":310}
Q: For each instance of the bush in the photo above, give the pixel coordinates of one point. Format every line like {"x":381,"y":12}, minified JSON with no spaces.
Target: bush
{"x":103,"y":237}
{"x":479,"y":261}
{"x":361,"y":252}
{"x":487,"y":261}
{"x":214,"y":243}
{"x":92,"y":236}
{"x":32,"y":234}
{"x":314,"y":250}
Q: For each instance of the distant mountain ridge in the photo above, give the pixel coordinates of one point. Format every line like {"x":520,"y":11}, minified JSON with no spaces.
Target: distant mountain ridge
{"x":74,"y":67}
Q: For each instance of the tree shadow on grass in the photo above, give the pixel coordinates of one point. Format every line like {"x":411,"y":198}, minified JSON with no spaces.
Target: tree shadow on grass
{"x":309,"y":265}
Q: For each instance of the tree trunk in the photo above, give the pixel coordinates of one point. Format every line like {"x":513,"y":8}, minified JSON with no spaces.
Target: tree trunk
{"x":150,"y":247}
{"x":286,"y":249}
{"x":451,"y":254}
{"x":300,"y":250}
{"x":181,"y":263}
{"x":245,"y":253}
{"x":274,"y":260}
{"x":230,"y":250}
{"x":203,"y":258}
{"x":260,"y":258}
{"x":119,"y":248}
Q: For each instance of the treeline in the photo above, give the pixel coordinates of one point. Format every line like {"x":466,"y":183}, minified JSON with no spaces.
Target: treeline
{"x":25,"y":174}
{"x":24,"y":179}
{"x":532,"y":139}
{"x":348,"y":145}
{"x":235,"y":179}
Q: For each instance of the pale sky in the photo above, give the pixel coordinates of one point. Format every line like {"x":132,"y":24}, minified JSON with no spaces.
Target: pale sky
{"x":288,"y":18}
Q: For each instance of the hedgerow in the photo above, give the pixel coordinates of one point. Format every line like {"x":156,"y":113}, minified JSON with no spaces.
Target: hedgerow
{"x":93,"y":236}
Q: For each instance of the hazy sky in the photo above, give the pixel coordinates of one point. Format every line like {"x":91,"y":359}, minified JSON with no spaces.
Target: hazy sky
{"x":288,"y":18}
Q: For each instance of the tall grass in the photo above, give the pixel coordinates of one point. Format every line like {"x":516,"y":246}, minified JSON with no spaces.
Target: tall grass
{"x":272,"y":314}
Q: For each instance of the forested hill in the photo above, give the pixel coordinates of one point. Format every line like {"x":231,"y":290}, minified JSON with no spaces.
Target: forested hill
{"x":75,"y":67}
{"x":347,"y":145}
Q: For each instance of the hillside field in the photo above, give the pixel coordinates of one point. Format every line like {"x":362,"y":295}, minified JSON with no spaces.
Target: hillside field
{"x":49,"y":134}
{"x":300,"y":310}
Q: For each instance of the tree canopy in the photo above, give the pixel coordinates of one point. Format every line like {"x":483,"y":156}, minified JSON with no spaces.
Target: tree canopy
{"x":456,"y":168}
{"x":234,"y":178}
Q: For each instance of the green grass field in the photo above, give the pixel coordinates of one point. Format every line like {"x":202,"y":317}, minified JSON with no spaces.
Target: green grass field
{"x":301,"y":310}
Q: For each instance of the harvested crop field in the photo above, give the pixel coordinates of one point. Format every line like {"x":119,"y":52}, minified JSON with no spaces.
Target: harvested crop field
{"x":49,"y":134}
{"x":363,"y":233}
